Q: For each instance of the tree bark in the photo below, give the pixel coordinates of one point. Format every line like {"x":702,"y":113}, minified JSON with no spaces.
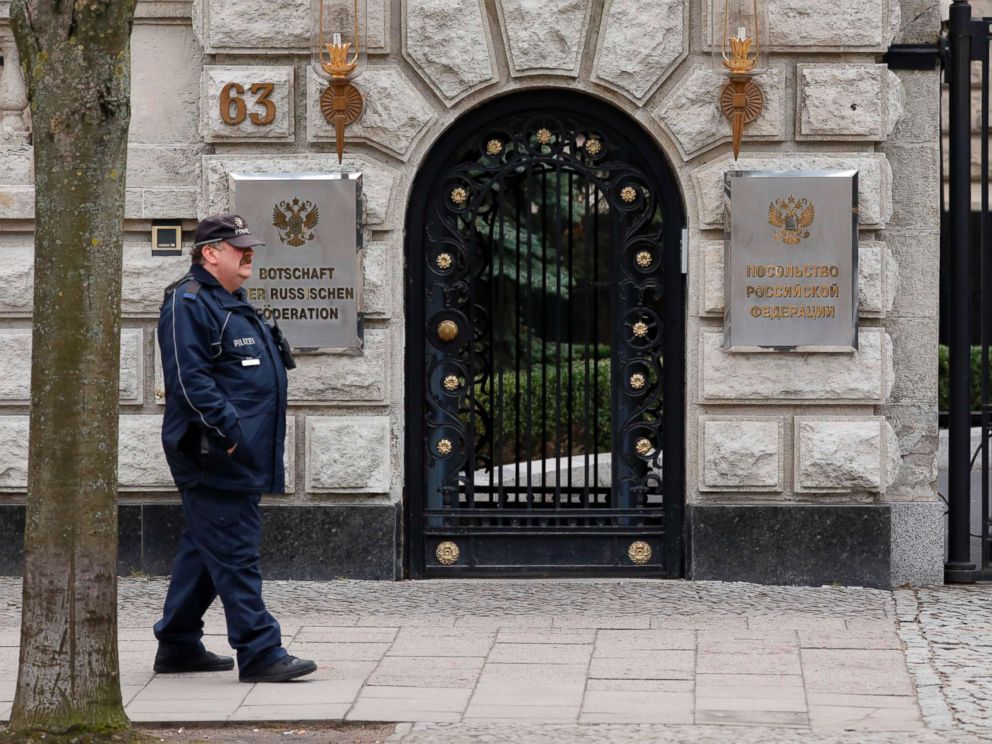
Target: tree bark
{"x":75,"y":55}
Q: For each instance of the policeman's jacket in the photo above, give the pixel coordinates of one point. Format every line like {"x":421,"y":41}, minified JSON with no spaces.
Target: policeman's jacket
{"x":225,"y":385}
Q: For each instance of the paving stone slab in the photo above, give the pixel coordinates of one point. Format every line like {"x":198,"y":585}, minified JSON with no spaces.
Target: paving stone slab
{"x":307,"y":691}
{"x":344,"y":635}
{"x":856,"y":672}
{"x":433,"y":642}
{"x":655,"y":640}
{"x":754,"y":662}
{"x":546,"y":713}
{"x":309,"y":712}
{"x":549,"y":653}
{"x":339,"y":651}
{"x":427,"y":671}
{"x":880,"y":641}
{"x":752,"y":717}
{"x":834,"y":718}
{"x":694,"y":622}
{"x":650,"y":665}
{"x":547,"y":635}
{"x":220,"y":686}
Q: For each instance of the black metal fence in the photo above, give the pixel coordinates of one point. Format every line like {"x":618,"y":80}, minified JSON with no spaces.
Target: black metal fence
{"x":965,"y":45}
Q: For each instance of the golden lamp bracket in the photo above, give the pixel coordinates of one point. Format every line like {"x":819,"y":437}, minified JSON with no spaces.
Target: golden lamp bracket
{"x":740,"y":56}
{"x":341,"y":102}
{"x":338,"y":55}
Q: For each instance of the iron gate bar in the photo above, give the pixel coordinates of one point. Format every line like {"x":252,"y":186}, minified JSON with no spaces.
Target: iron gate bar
{"x":967,"y":41}
{"x":959,"y":568}
{"x":981,"y":38}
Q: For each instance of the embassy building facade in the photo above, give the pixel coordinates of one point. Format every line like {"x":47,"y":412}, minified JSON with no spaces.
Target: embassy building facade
{"x":565,"y":360}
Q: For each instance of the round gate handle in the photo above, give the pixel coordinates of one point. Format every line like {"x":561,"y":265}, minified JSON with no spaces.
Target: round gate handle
{"x":447,"y":330}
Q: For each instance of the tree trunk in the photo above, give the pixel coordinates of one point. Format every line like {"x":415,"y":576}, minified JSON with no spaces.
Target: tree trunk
{"x":76,"y":59}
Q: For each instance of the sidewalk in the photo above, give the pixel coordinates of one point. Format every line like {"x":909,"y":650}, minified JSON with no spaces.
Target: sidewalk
{"x":587,"y":660}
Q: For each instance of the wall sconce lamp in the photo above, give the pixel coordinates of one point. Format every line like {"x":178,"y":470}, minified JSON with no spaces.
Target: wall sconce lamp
{"x":337,"y":54}
{"x":740,"y":28}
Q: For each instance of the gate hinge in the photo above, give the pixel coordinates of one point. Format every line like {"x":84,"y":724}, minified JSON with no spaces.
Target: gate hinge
{"x":684,"y":251}
{"x":914,"y":56}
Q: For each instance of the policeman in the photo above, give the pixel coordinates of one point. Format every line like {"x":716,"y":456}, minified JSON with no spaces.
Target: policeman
{"x":223,"y":434}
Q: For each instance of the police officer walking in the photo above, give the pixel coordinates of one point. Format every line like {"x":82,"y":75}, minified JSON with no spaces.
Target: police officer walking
{"x":223,"y":434}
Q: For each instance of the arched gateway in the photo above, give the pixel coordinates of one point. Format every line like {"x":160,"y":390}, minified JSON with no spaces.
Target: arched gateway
{"x":545,"y":346}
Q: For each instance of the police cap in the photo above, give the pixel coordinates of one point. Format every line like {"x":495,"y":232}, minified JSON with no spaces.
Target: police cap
{"x":228,"y":227}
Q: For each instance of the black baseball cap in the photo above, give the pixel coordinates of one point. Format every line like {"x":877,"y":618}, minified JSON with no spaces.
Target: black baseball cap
{"x":227,"y":227}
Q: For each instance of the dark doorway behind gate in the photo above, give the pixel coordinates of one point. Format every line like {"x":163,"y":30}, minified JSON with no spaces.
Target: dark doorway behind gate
{"x":545,"y":346}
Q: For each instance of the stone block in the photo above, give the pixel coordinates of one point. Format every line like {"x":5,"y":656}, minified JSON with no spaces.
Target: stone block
{"x":919,"y":120}
{"x":922,"y":21}
{"x":877,"y":278}
{"x":874,"y":181}
{"x":396,"y":115}
{"x":168,"y":203}
{"x":16,"y":165}
{"x":321,"y":379}
{"x":916,"y":185}
{"x":449,"y":43}
{"x":789,"y":544}
{"x":16,"y":202}
{"x":215,"y":79}
{"x":145,"y":278}
{"x":691,"y":112}
{"x":379,"y":184}
{"x":843,"y":102}
{"x":261,"y":26}
{"x":918,"y":534}
{"x":141,"y":461}
{"x":872,"y":276}
{"x":741,"y":454}
{"x":14,"y":453}
{"x":544,"y":37}
{"x":846,"y":25}
{"x":15,"y":366}
{"x":711,"y":276}
{"x":640,"y":44}
{"x":165,"y":95}
{"x":915,"y":425}
{"x":348,"y":454}
{"x":864,"y":376}
{"x":280,"y":27}
{"x":163,"y":166}
{"x":837,"y":455}
{"x":377,"y":294}
{"x":914,"y":355}
{"x":918,"y":257}
{"x":16,"y":279}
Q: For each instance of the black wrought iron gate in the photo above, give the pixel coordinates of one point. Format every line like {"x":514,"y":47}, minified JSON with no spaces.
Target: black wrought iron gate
{"x":544,"y":309}
{"x":965,"y":50}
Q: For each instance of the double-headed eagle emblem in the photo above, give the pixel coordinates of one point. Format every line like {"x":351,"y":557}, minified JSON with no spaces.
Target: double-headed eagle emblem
{"x":792,"y":216}
{"x":295,"y":221}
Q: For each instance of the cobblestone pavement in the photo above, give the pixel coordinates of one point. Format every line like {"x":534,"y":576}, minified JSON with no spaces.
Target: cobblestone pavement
{"x":604,"y":661}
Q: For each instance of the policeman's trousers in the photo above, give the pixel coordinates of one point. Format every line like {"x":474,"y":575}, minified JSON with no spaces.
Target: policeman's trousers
{"x":219,"y":556}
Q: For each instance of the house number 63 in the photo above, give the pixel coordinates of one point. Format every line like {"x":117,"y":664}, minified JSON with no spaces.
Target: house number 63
{"x":234,"y":110}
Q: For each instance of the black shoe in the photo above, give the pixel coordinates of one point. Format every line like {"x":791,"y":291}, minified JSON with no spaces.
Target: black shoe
{"x":173,"y":662}
{"x":287,"y":668}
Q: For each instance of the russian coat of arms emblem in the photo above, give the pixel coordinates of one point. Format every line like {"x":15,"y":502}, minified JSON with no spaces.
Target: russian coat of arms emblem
{"x":295,"y":221}
{"x":792,"y":217}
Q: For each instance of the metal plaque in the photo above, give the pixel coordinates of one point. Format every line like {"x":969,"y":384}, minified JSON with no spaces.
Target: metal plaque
{"x":791,"y":261}
{"x":308,"y":277}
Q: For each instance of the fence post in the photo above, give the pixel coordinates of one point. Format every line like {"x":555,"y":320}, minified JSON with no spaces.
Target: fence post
{"x":959,"y":567}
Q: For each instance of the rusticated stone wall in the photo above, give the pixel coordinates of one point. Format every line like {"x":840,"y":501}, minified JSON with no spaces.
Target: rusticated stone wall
{"x":762,"y":428}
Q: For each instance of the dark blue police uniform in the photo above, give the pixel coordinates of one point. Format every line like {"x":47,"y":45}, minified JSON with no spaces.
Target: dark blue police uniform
{"x":225,"y":385}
